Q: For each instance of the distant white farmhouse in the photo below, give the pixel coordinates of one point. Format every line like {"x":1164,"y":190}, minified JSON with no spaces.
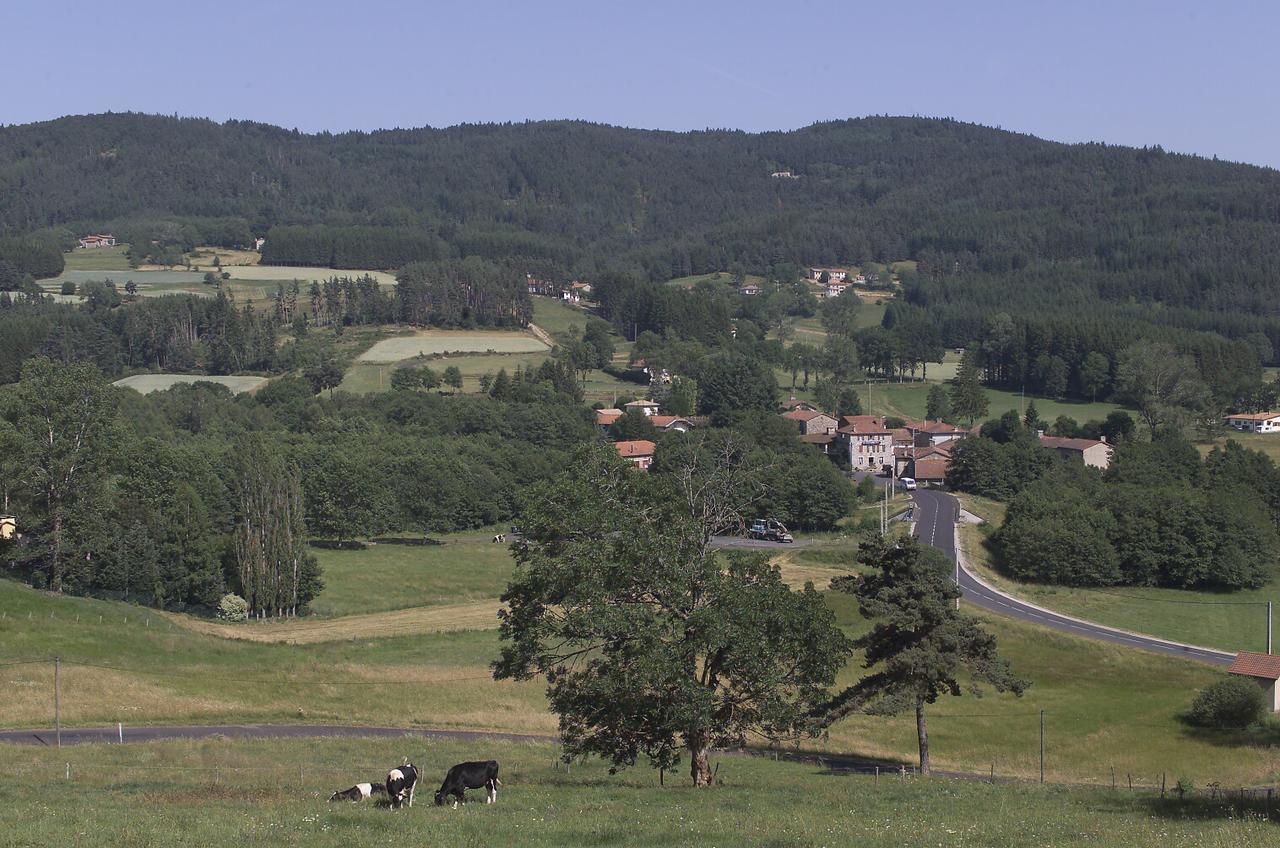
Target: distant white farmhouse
{"x":1255,"y":422}
{"x":98,"y":240}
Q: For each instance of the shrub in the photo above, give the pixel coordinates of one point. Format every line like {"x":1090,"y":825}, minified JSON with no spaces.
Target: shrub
{"x":1231,"y":703}
{"x":232,"y":607}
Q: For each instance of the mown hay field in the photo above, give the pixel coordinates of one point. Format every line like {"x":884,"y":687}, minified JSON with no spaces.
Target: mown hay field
{"x":431,"y":342}
{"x":148,"y":383}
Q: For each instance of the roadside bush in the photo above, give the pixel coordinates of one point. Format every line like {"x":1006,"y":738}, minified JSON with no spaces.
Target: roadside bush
{"x":1231,"y":703}
{"x":232,"y":607}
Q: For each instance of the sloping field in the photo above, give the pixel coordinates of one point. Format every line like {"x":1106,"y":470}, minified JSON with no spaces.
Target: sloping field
{"x":430,"y":342}
{"x":149,"y":282}
{"x":285,"y":273}
{"x":148,"y":383}
{"x":449,"y":618}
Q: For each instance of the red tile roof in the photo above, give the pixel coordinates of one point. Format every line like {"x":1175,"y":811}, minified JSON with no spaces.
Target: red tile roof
{"x":605,"y":417}
{"x":860,"y":421}
{"x":1059,"y":442}
{"x":635,"y":449}
{"x":934,"y":468}
{"x":794,"y":402}
{"x":818,"y":438}
{"x":802,"y":414}
{"x":1256,"y":665}
{"x":664,"y":421}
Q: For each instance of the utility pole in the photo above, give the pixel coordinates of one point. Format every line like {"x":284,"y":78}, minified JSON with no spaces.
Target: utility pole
{"x":57,"y":699}
{"x":1268,"y":627}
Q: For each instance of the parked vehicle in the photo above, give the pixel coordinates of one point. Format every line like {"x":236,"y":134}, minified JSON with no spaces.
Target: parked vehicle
{"x":907,"y":483}
{"x":769,"y":530}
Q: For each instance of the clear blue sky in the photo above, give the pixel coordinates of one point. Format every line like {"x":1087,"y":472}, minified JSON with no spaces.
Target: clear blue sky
{"x":1193,"y":76}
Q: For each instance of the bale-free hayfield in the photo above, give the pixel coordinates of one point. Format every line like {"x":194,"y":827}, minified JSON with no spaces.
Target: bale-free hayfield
{"x":216,"y":792}
{"x":433,"y":342}
{"x":287,"y":273}
{"x":148,"y":383}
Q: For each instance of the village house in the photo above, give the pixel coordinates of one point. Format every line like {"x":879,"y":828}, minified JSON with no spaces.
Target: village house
{"x":868,"y":443}
{"x":926,"y":465}
{"x":835,"y":289}
{"x":811,"y":422}
{"x":98,"y":240}
{"x":540,"y":287}
{"x":929,"y":433}
{"x":638,"y":452}
{"x":834,"y":274}
{"x":1264,"y":669}
{"x":648,"y":407}
{"x":8,"y":527}
{"x":750,"y":289}
{"x":1255,"y":422}
{"x":793,"y":404}
{"x":784,"y":175}
{"x":671,"y":423}
{"x":828,"y":443}
{"x":606,"y":417}
{"x":1094,"y":453}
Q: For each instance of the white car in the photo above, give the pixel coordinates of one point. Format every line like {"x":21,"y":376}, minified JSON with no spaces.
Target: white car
{"x":907,"y":483}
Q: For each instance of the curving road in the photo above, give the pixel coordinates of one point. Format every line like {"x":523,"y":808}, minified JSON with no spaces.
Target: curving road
{"x":936,"y":514}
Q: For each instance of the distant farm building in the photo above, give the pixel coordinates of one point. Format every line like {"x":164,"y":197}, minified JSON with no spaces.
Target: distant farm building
{"x":8,"y":527}
{"x":750,"y":289}
{"x":98,"y":240}
{"x":1265,"y":670}
{"x":1255,"y":422}
{"x":794,"y":404}
{"x":833,"y":274}
{"x":648,"y":407}
{"x":811,"y":422}
{"x":835,"y":289}
{"x":606,"y":417}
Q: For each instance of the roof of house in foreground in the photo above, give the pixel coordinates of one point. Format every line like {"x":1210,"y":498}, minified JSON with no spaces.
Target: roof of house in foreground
{"x":1254,"y":664}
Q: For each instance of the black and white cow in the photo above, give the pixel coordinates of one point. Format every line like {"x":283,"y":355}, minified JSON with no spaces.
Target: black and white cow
{"x":358,"y":792}
{"x":401,"y":784}
{"x":466,"y":776}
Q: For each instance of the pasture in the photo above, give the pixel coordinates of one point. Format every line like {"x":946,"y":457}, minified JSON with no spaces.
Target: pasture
{"x":367,"y":377}
{"x":1229,"y":621}
{"x":432,"y":342}
{"x":97,"y":259}
{"x":287,"y":273}
{"x":148,"y":383}
{"x":242,"y":792}
{"x":392,"y":575}
{"x":428,"y":665}
{"x":556,"y":317}
{"x":909,"y":400}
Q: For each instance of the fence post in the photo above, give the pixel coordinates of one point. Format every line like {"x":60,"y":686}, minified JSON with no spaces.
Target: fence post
{"x":1113,"y":778}
{"x":120,"y":731}
{"x":1130,"y":781}
{"x":57,"y":702}
{"x":1161,"y":784}
{"x":877,"y":774}
{"x":1042,"y":746}
{"x":68,"y":771}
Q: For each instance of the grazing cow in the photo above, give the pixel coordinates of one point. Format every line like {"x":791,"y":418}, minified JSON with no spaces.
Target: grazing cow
{"x":358,"y":792}
{"x":466,"y":776}
{"x":401,"y":784}
{"x":501,"y":537}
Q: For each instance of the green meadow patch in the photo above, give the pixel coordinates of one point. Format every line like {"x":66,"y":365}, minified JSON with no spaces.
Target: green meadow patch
{"x":429,"y":342}
{"x":148,"y":383}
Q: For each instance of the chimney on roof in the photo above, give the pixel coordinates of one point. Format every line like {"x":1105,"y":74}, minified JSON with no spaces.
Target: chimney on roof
{"x":1102,"y":439}
{"x":1039,"y":434}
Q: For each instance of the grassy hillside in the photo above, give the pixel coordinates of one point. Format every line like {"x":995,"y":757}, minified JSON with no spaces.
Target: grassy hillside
{"x":1228,"y":621}
{"x":221,"y":792}
{"x":428,"y":666}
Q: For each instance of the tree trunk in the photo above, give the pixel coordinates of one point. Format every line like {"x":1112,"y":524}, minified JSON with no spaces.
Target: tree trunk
{"x":699,"y":767}
{"x":55,"y":563}
{"x":923,"y":734}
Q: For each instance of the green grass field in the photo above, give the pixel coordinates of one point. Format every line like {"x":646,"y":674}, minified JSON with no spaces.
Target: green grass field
{"x":1229,"y":621}
{"x":287,"y":273}
{"x":395,"y":576}
{"x":429,"y":342}
{"x":723,"y":278}
{"x":97,"y":259}
{"x":366,"y":377}
{"x":1106,"y":706}
{"x":273,"y":792}
{"x":148,"y":383}
{"x":556,"y":316}
{"x":908,"y":400}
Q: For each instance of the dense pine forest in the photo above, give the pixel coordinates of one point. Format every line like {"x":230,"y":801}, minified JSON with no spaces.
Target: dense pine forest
{"x":997,"y":220}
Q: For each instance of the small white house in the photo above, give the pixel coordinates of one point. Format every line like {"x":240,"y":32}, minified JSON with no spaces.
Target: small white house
{"x":98,"y":240}
{"x":1265,"y":670}
{"x":648,"y":407}
{"x":1255,"y":422}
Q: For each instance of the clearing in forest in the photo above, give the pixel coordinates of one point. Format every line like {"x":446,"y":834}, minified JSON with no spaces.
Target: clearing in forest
{"x":431,"y":342}
{"x":148,"y":383}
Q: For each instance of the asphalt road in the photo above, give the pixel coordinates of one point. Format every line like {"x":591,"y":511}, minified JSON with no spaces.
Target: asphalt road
{"x":936,"y":514}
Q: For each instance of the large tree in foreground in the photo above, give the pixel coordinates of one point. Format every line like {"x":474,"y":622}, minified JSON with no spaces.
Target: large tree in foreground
{"x":920,"y":646}
{"x":651,"y":642}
